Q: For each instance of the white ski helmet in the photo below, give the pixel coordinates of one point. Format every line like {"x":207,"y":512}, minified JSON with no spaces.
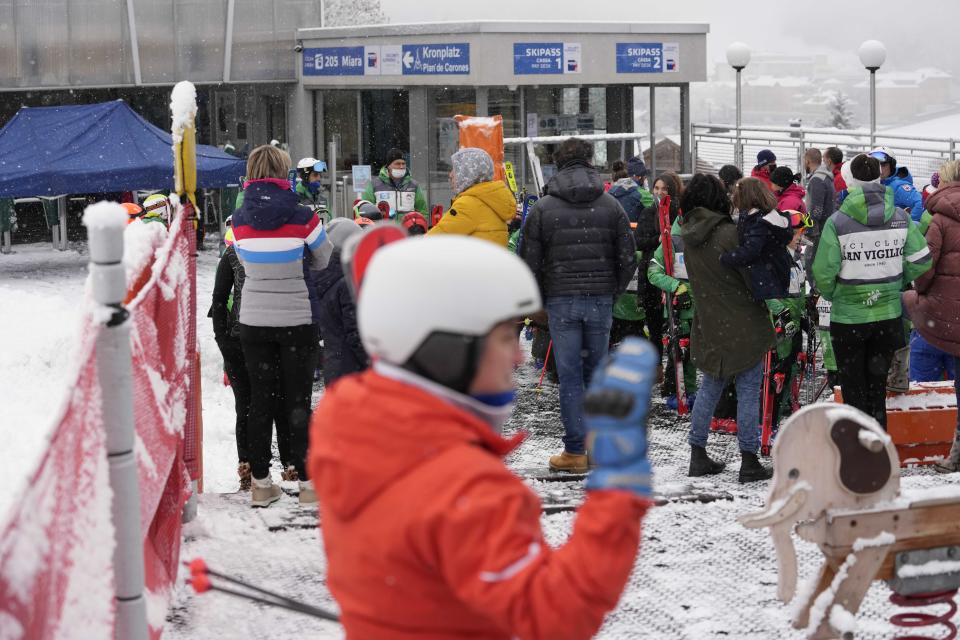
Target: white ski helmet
{"x":306,"y":163}
{"x":436,"y":326}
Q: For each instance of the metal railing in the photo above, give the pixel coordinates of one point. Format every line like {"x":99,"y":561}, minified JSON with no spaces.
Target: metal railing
{"x":716,"y":145}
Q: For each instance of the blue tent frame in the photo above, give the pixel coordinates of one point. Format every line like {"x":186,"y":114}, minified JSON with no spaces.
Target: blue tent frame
{"x":97,"y":148}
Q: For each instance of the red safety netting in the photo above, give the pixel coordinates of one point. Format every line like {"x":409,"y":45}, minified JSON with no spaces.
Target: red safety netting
{"x":56,"y":546}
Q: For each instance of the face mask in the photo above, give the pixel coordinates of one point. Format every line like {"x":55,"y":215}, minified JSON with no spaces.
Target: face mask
{"x":495,"y":408}
{"x":313,"y":186}
{"x":396,"y":174}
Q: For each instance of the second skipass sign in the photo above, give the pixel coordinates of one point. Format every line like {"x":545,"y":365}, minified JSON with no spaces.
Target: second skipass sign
{"x":407,"y":60}
{"x":648,"y":57}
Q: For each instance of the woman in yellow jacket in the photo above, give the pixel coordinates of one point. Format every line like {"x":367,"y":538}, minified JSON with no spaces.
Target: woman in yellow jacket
{"x":482,"y":206}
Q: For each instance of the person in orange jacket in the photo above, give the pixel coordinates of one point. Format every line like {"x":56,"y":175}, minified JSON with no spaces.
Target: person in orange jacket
{"x":427,"y":533}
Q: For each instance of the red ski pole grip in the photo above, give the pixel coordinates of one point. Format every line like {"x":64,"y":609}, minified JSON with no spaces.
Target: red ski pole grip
{"x":198,"y":566}
{"x":200,"y":582}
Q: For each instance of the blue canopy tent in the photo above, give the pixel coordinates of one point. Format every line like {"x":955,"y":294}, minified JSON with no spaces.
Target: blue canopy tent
{"x":96,"y":148}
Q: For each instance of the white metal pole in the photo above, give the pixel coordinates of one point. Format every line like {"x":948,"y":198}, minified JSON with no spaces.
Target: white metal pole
{"x":105,"y":223}
{"x":6,"y":244}
{"x":653,"y":131}
{"x":738,"y":149}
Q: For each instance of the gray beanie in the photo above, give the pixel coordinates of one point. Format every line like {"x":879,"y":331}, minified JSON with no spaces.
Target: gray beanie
{"x":470,"y":166}
{"x":339,"y":229}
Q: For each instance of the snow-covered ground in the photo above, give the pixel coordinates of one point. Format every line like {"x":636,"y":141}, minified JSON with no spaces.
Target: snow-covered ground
{"x":699,"y":573}
{"x":41,"y":291}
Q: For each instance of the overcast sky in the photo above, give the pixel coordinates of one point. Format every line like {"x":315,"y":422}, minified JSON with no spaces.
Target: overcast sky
{"x":918,"y":33}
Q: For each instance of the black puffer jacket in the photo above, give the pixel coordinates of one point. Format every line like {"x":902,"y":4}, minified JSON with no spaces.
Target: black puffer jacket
{"x":577,"y":239}
{"x":228,"y":281}
{"x":343,"y":352}
{"x":763,"y":253}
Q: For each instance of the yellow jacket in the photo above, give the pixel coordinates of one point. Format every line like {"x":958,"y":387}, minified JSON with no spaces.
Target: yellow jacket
{"x":481,"y":211}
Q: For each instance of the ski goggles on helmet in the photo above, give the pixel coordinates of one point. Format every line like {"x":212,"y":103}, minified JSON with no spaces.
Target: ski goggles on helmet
{"x":799,"y":220}
{"x":320,"y":166}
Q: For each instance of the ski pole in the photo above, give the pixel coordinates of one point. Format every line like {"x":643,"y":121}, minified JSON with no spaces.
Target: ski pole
{"x":546,"y":361}
{"x":200,"y":581}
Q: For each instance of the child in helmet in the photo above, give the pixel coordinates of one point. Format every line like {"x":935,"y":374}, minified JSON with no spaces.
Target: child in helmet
{"x":427,"y":532}
{"x":309,"y":188}
{"x":156,"y":208}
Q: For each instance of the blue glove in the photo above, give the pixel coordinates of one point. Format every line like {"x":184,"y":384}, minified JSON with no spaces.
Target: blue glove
{"x":615,"y":414}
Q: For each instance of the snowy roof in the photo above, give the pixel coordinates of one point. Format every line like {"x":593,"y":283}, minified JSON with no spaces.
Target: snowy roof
{"x":504,"y":26}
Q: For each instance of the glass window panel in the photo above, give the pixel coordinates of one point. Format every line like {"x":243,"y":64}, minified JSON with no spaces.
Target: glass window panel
{"x":198,"y":33}
{"x":255,"y":48}
{"x":156,"y":38}
{"x":386,"y":124}
{"x":340,"y":121}
{"x":8,"y":44}
{"x":444,"y":136}
{"x":43,"y":37}
{"x":505,"y":103}
{"x":99,"y":42}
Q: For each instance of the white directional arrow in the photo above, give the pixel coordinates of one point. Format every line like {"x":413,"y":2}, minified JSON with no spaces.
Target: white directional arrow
{"x":407,"y":59}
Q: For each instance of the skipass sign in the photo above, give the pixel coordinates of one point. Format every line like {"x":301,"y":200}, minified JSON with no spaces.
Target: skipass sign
{"x":648,"y":57}
{"x":388,"y":60}
{"x":533,"y":58}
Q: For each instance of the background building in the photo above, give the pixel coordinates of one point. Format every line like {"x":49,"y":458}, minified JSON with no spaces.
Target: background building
{"x":239,"y":53}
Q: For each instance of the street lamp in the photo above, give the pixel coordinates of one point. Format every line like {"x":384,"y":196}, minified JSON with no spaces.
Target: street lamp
{"x":738,"y":56}
{"x":872,"y":55}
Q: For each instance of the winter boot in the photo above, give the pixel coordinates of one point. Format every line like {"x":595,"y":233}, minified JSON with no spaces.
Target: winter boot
{"x":307,"y":494}
{"x":264,"y":492}
{"x":289,"y":474}
{"x":572,"y":462}
{"x":751,"y":470}
{"x":951,"y":463}
{"x":243,"y":470}
{"x":701,"y":464}
{"x":898,"y":376}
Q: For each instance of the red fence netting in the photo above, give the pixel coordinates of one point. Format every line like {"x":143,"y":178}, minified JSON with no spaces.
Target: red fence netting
{"x":56,"y":544}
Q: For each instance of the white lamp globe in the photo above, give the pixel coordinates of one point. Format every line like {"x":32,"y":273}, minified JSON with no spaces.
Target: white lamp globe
{"x":738,"y":55}
{"x":872,"y":54}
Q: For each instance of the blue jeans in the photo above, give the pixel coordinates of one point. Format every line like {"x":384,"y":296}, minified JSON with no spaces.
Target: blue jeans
{"x":928,"y":363}
{"x":580,"y":330}
{"x":748,"y":408}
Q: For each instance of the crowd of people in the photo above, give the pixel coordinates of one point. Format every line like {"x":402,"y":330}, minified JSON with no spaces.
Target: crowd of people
{"x":413,"y":485}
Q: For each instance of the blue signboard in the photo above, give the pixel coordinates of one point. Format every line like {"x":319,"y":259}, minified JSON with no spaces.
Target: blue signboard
{"x":537,"y":57}
{"x":333,"y":61}
{"x":436,"y":59}
{"x":648,"y":57}
{"x":639,"y":57}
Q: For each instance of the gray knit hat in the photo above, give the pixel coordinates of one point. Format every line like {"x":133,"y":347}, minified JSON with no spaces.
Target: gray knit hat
{"x":470,"y":166}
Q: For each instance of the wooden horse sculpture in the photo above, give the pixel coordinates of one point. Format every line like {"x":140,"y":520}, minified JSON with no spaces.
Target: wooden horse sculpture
{"x":836,"y":483}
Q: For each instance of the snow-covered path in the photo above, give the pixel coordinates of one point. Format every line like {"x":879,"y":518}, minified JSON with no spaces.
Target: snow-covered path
{"x":699,"y":574}
{"x":41,"y":291}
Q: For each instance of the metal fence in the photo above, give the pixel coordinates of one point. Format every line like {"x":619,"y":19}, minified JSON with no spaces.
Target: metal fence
{"x":716,"y":145}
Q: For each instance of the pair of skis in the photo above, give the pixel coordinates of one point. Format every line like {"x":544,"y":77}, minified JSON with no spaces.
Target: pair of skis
{"x":673,"y":344}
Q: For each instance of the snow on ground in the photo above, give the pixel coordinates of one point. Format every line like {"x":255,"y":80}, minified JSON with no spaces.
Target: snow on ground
{"x":41,"y":291}
{"x":699,"y":574}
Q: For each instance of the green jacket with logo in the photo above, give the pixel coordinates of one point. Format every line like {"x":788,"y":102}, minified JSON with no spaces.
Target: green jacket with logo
{"x":658,"y":277}
{"x":869,"y":251}
{"x":383,"y":182}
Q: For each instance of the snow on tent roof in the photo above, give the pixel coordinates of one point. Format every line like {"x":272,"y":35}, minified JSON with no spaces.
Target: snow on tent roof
{"x":96,"y":148}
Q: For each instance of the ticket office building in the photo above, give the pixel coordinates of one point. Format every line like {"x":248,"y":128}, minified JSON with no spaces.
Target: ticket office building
{"x":401,"y":85}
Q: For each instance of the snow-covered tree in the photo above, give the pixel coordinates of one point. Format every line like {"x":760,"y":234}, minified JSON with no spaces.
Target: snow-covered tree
{"x":349,"y":13}
{"x":839,"y":115}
